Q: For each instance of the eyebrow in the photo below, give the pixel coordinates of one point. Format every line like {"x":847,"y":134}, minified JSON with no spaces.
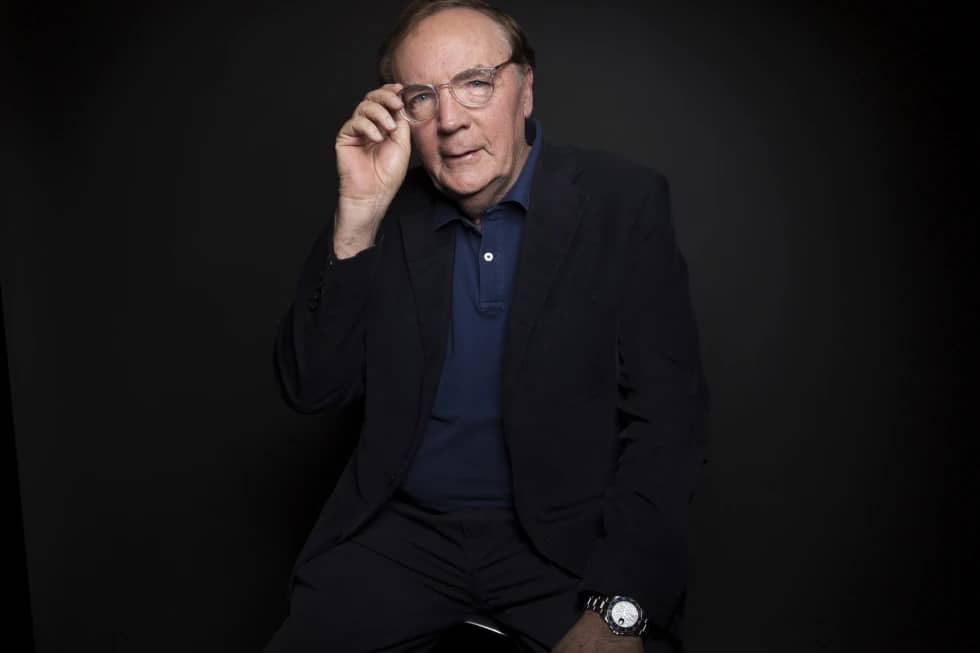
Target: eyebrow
{"x":465,"y":70}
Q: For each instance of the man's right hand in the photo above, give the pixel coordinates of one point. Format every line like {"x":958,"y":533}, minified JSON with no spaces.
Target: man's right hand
{"x":373,"y":150}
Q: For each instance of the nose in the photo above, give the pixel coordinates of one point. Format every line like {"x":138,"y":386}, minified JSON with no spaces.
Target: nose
{"x":452,"y":115}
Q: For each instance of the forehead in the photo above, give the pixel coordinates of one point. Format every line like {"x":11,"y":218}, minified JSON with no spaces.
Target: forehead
{"x":448,"y":42}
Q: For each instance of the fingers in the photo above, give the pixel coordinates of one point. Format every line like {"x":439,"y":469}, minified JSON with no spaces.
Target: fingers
{"x":376,"y":116}
{"x":363,"y":127}
{"x":386,"y":96}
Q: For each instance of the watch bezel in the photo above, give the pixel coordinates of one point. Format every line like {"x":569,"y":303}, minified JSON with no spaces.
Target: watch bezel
{"x":635,"y":629}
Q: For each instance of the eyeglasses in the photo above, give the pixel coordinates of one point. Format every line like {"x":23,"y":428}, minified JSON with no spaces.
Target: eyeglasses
{"x":471,"y":88}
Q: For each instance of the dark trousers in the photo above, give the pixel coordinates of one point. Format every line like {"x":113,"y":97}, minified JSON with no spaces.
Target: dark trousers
{"x":411,"y":573}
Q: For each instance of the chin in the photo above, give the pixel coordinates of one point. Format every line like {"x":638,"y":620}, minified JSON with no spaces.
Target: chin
{"x":465,"y":183}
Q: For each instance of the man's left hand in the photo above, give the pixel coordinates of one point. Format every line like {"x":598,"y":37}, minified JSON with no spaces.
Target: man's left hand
{"x":590,"y":634}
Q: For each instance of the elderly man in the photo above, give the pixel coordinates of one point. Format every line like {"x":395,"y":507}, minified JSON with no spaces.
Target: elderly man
{"x":513,"y":319}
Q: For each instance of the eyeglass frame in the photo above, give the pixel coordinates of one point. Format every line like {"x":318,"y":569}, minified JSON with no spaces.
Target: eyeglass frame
{"x":437,"y":87}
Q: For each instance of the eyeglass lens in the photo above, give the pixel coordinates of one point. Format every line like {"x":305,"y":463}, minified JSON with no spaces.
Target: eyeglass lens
{"x":471,"y":88}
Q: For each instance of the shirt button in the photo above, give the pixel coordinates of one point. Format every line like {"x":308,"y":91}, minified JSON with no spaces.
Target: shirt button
{"x":488,"y":256}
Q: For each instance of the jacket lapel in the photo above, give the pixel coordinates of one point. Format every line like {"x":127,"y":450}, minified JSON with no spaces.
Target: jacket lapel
{"x":429,"y":255}
{"x":550,"y":225}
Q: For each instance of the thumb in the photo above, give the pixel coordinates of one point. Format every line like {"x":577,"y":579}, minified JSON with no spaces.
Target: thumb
{"x":403,"y":133}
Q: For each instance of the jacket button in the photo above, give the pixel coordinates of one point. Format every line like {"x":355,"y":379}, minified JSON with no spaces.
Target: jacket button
{"x":392,"y":479}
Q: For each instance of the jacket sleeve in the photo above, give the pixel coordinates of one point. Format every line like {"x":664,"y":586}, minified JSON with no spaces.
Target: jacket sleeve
{"x":319,"y":346}
{"x":662,"y":403}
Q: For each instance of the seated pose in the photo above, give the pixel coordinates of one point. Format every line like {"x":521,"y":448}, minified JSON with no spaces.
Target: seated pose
{"x":513,"y":317}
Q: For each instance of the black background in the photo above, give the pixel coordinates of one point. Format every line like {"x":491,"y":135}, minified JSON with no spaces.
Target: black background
{"x":168,"y":166}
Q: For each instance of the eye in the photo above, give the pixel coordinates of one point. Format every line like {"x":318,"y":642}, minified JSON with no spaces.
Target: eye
{"x":418,"y":99}
{"x":477,"y":83}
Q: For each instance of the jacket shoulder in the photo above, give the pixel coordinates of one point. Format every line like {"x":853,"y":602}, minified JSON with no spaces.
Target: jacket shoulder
{"x":416,"y":190}
{"x":414,"y":199}
{"x":602,"y":171}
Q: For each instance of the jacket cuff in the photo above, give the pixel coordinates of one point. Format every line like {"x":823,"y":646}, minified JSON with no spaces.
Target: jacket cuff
{"x":651,"y":571}
{"x":344,"y":281}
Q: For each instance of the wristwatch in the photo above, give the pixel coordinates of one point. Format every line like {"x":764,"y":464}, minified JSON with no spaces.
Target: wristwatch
{"x":622,"y":614}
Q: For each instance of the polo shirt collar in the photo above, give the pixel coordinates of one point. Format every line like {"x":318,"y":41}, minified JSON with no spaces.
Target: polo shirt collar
{"x":519,"y":193}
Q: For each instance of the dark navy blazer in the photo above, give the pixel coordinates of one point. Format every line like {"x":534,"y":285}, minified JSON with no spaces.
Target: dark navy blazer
{"x":603,"y":398}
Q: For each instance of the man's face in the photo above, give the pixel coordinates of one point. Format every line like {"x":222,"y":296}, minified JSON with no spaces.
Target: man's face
{"x":440,"y":47}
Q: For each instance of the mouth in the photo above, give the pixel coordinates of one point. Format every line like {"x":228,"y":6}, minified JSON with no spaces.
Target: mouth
{"x":464,"y":155}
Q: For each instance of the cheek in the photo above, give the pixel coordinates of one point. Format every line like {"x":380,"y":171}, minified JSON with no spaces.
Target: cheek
{"x":501,"y":133}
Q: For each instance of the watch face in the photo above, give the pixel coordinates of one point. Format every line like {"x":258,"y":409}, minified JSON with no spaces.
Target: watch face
{"x":624,"y":614}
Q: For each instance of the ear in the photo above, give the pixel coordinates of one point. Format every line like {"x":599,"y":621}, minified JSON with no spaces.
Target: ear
{"x":528,"y":92}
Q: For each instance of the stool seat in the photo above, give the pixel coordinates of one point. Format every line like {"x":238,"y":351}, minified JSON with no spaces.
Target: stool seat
{"x":478,"y":633}
{"x":487,"y":623}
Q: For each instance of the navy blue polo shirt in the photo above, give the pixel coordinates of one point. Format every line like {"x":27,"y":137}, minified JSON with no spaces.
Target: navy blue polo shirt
{"x":462,"y":461}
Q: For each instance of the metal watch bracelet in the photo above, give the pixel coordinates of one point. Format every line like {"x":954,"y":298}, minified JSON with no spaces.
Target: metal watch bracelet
{"x":600,"y":603}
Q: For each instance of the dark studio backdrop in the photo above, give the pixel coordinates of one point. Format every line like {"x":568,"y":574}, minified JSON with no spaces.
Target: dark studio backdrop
{"x":167,"y":168}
